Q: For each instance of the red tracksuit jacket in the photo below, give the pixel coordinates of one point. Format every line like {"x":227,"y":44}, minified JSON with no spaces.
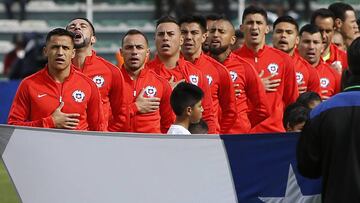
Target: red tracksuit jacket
{"x":337,"y":55}
{"x":39,"y":95}
{"x":251,"y":106}
{"x":155,"y":86}
{"x":273,"y":62}
{"x":186,"y":70}
{"x":222,"y":91}
{"x":330,"y":79}
{"x":109,"y":80}
{"x":306,"y":75}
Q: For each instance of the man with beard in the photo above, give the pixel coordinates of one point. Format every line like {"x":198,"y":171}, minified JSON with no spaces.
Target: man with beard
{"x":285,"y":38}
{"x":193,"y":30}
{"x":324,"y":19}
{"x":210,"y":19}
{"x":169,"y":65}
{"x":58,"y":96}
{"x":275,"y":67}
{"x":106,"y":76}
{"x":310,"y":48}
{"x":345,"y":21}
{"x":250,"y":93}
{"x":146,"y":95}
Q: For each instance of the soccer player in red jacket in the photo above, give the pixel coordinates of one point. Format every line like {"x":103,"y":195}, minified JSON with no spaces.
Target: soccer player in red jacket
{"x":250,"y":93}
{"x":58,"y":96}
{"x":105,"y":75}
{"x":310,"y":48}
{"x":285,"y":38}
{"x":324,"y":19}
{"x":274,"y":67}
{"x":169,"y":65}
{"x":146,"y":94}
{"x":345,"y":21}
{"x":193,"y":30}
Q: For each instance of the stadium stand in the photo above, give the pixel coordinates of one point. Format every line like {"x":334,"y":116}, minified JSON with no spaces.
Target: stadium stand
{"x":112,"y":18}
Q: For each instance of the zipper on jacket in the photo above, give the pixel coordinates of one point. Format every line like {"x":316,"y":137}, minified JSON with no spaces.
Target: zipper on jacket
{"x":61,"y":92}
{"x":132,"y":123}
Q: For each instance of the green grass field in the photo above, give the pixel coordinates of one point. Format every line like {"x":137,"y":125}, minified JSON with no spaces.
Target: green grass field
{"x":7,"y":190}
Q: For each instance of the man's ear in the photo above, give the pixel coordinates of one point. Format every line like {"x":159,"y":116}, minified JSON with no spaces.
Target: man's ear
{"x":267,"y":29}
{"x":338,"y":23}
{"x":297,"y":41}
{"x":233,"y":40}
{"x":73,"y":53}
{"x":204,"y":36}
{"x":188,"y":111}
{"x":181,"y":40}
{"x":93,"y":40}
{"x":242,"y":28}
{"x":45,"y":51}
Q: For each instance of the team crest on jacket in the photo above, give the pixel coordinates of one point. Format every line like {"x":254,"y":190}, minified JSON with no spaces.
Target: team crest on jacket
{"x":210,"y":79}
{"x":78,"y":96}
{"x":150,"y":91}
{"x":99,"y":80}
{"x":273,"y":68}
{"x":299,"y":77}
{"x":324,"y":82}
{"x":194,"y":79}
{"x":233,"y":75}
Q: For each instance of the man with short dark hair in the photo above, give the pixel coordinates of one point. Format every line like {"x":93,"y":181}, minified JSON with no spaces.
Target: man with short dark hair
{"x":286,"y":38}
{"x":193,"y":30}
{"x":329,"y":143}
{"x":58,"y":96}
{"x":105,"y":75}
{"x":324,"y":19}
{"x":310,"y":48}
{"x":250,"y":103}
{"x":275,"y":68}
{"x":169,"y":65}
{"x":210,"y":19}
{"x":146,"y":95}
{"x":345,"y":21}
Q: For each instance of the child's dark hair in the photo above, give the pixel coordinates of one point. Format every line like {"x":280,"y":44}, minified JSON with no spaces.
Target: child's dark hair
{"x":199,"y":128}
{"x":294,"y":114}
{"x":307,"y":97}
{"x":185,"y":95}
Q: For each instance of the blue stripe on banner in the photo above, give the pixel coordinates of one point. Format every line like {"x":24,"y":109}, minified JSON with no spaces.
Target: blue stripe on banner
{"x":260,"y":166}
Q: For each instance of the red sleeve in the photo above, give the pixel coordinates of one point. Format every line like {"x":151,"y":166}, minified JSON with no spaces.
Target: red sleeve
{"x":337,"y":77}
{"x":344,"y":60}
{"x":314,"y":81}
{"x":291,"y":91}
{"x":95,"y":116}
{"x":226,"y":101}
{"x":166,"y":113}
{"x":20,"y":110}
{"x":209,"y":114}
{"x":255,"y":92}
{"x":119,"y":111}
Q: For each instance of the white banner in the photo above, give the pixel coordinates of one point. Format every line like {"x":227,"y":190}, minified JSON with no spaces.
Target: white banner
{"x":58,"y":166}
